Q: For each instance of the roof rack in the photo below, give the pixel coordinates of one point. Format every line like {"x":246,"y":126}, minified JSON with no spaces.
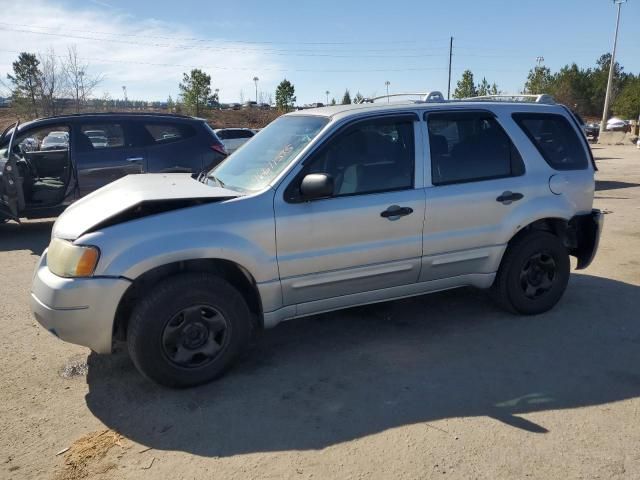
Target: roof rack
{"x":433,"y":96}
{"x":514,"y":97}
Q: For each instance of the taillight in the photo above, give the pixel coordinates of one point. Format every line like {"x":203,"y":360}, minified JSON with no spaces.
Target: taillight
{"x":218,"y":147}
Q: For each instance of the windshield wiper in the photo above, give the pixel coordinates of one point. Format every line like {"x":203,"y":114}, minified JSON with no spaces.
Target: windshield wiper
{"x":216,"y":179}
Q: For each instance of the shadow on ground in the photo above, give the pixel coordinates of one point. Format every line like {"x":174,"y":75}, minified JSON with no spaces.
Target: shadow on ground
{"x":320,"y":381}
{"x":613,"y":185}
{"x":32,"y":236}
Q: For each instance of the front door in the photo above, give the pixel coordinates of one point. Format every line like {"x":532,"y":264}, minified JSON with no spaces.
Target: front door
{"x":11,"y":193}
{"x":368,"y":234}
{"x":105,"y":152}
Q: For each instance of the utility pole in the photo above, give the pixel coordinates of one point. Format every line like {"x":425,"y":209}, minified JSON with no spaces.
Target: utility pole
{"x":124,"y":91}
{"x":327,"y":94}
{"x":450,"y":56}
{"x":386,"y":84}
{"x":255,"y":80}
{"x":607,"y":97}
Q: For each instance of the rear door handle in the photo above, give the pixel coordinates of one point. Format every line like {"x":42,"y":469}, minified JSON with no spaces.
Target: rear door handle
{"x":134,"y":159}
{"x":394,"y":212}
{"x":508,"y":197}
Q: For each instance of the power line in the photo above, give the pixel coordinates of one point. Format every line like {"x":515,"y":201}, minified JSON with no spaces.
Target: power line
{"x":218,"y":67}
{"x":247,"y":42}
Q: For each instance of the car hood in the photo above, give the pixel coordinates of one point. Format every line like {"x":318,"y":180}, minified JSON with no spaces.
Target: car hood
{"x":135,"y":196}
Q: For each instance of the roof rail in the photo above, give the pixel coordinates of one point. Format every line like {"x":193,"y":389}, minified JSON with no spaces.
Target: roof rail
{"x":433,"y":96}
{"x":514,"y":97}
{"x":100,"y":114}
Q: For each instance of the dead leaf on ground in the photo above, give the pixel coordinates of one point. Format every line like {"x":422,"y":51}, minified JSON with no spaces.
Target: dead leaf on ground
{"x":83,"y":459}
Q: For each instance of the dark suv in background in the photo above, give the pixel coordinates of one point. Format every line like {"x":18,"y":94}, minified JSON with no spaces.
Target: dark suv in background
{"x":57,"y":160}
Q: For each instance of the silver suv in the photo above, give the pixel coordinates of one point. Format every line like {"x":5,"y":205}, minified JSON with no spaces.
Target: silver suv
{"x":324,"y":209}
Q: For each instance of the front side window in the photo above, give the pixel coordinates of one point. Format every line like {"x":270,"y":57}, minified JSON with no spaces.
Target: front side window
{"x":262,"y":159}
{"x":468,"y":147}
{"x":100,"y":136}
{"x":555,"y":139}
{"x":368,"y":157}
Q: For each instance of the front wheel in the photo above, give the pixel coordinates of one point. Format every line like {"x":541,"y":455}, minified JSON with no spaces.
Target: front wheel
{"x":188,"y":330}
{"x":533,"y":274}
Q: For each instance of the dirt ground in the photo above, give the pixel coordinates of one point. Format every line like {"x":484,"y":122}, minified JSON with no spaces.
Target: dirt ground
{"x":444,"y":386}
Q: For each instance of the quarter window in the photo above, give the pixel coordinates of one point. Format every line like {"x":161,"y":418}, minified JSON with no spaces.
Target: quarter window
{"x":469,"y":147}
{"x":371,"y":156}
{"x":555,"y":139}
{"x":167,"y":133}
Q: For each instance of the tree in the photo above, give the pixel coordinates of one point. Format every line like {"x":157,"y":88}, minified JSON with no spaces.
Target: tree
{"x":170,"y":103}
{"x":358,"y":98}
{"x":333,"y":101}
{"x":483,"y":88}
{"x":26,"y":81}
{"x":195,"y":90}
{"x":346,"y":98}
{"x":571,"y":86}
{"x":627,"y":104}
{"x":465,"y":87}
{"x":52,"y":82}
{"x":539,"y":80}
{"x":80,"y":83}
{"x":285,"y":95}
{"x":600,"y":77}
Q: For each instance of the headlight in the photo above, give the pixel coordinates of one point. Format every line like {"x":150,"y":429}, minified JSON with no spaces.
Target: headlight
{"x":68,"y":260}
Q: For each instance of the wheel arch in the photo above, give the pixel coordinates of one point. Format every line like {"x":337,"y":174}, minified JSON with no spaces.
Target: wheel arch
{"x":237,"y":275}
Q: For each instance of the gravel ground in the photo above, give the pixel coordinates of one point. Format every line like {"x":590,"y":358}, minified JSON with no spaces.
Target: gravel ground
{"x":443,"y":386}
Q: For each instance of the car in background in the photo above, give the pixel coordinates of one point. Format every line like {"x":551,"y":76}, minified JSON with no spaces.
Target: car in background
{"x":234,"y":138}
{"x":615,"y":124}
{"x":592,"y":130}
{"x":55,"y":161}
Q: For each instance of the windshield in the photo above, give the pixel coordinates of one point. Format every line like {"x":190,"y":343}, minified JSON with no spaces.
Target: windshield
{"x":259,"y":161}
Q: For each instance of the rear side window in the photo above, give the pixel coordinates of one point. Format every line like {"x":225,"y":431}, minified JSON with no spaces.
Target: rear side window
{"x":469,"y":147}
{"x":167,"y":133}
{"x":100,"y":136}
{"x":555,"y":138}
{"x":233,"y":134}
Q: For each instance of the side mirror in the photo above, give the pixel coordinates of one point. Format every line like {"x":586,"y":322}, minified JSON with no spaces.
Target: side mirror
{"x":316,"y":185}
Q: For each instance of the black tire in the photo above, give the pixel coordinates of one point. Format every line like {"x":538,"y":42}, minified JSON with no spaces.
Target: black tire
{"x":533,"y":274}
{"x":168,"y":324}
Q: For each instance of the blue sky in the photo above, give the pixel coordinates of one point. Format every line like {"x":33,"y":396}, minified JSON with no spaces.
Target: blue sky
{"x":328,"y":45}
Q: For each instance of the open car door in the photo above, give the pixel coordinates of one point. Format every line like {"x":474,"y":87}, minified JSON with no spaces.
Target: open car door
{"x":11,"y":196}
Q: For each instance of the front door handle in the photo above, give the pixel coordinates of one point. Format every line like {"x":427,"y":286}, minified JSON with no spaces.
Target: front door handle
{"x":134,"y":159}
{"x":508,"y":197}
{"x":394,"y":212}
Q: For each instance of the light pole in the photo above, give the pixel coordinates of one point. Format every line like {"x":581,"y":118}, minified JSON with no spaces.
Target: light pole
{"x":327,"y":94}
{"x":387,"y":83}
{"x":607,"y":97}
{"x":124,"y":91}
{"x":255,"y":80}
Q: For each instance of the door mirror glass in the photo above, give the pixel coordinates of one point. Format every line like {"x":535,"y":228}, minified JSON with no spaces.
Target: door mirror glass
{"x":316,"y":185}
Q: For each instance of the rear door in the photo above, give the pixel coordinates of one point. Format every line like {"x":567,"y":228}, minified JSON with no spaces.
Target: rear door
{"x":171,"y":146}
{"x":100,"y":162}
{"x":477,"y":180}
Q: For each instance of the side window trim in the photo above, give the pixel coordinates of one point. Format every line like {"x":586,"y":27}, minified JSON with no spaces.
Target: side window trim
{"x":471,"y":114}
{"x":288,"y":195}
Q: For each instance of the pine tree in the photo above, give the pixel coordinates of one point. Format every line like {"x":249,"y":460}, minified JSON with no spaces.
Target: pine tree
{"x":465,"y":87}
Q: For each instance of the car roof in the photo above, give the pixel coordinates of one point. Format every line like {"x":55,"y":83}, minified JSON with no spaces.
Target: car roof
{"x":338,"y":112}
{"x":106,"y":115}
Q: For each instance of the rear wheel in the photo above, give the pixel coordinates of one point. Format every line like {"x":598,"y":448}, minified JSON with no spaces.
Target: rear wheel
{"x":188,"y":330}
{"x":533,"y":274}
